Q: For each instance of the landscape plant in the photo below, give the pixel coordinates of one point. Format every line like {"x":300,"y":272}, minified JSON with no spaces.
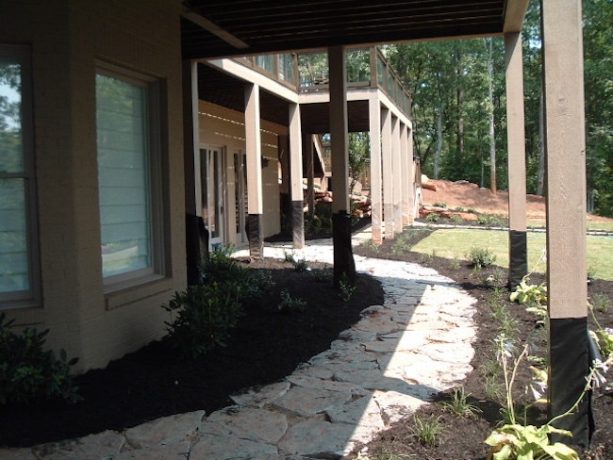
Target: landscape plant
{"x":427,"y":430}
{"x":28,"y":372}
{"x":346,"y":288}
{"x":204,"y":316}
{"x":289,"y":303}
{"x":481,"y":257}
{"x":458,"y":404}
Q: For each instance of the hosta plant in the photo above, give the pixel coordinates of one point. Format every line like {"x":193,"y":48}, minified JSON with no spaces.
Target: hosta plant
{"x":531,"y":294}
{"x":519,"y":442}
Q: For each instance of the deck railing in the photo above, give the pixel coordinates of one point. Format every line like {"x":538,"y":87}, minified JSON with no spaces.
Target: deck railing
{"x":308,"y":72}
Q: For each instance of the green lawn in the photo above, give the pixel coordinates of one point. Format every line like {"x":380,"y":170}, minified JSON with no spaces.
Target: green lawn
{"x":456,"y":243}
{"x":591,"y":225}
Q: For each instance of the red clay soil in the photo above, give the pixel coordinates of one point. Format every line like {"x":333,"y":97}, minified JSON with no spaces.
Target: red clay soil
{"x":467,"y":195}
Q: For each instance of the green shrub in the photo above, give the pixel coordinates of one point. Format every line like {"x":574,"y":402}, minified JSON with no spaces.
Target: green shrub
{"x":28,"y":373}
{"x":289,"y":303}
{"x":205,"y":316}
{"x":324,"y":275}
{"x":455,"y":219}
{"x":481,"y":257}
{"x":440,"y":204}
{"x":432,"y":217}
{"x":346,"y":288}
{"x":491,"y":220}
{"x":427,"y":430}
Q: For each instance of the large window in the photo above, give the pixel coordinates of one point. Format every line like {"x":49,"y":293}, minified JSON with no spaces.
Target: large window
{"x":127,"y":108}
{"x":18,"y":268}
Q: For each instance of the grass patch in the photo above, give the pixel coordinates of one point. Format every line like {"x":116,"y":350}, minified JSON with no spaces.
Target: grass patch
{"x":591,"y":225}
{"x":450,"y":242}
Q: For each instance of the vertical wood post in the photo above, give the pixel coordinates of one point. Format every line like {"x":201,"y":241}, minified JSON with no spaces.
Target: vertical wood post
{"x":388,"y":185}
{"x":518,"y":248}
{"x":405,"y":178}
{"x":566,"y":209}
{"x":196,"y":241}
{"x":344,"y":265}
{"x":308,"y":152}
{"x":397,"y":174}
{"x":297,"y":197}
{"x":411,"y":175}
{"x":253,"y":144}
{"x":376,"y":203}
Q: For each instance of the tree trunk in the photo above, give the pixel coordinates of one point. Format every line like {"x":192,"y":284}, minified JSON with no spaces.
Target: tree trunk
{"x":490,"y":72}
{"x":439,"y":141}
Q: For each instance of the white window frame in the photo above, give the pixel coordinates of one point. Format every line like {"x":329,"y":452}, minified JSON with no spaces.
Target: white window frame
{"x":156,"y":192}
{"x":32,"y":296}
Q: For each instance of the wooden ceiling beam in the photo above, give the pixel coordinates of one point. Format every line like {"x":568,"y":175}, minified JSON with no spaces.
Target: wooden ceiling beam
{"x":514,"y":13}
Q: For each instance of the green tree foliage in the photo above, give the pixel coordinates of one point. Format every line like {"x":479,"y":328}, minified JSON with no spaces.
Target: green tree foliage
{"x":450,"y":108}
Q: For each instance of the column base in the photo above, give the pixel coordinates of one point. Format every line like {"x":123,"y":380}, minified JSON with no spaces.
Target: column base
{"x":254,"y":235}
{"x":570,"y":364}
{"x":344,"y":265}
{"x":388,"y":219}
{"x":298,"y":224}
{"x":518,"y":257}
{"x":197,"y":247}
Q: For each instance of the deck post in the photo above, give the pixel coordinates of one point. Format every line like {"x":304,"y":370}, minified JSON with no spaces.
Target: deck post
{"x":376,"y":203}
{"x":405,"y":176}
{"x":253,"y":145}
{"x":344,"y":264}
{"x":296,"y":192}
{"x":308,"y":152}
{"x":410,"y":175}
{"x":196,"y":241}
{"x":388,"y":185}
{"x":566,"y":215}
{"x":397,"y":174}
{"x":518,"y":248}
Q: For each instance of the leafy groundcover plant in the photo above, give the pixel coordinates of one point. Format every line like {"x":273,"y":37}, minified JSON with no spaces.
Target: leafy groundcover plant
{"x":28,"y":372}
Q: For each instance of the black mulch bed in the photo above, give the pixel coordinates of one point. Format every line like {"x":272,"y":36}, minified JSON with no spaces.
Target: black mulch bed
{"x":462,"y":438}
{"x":154,"y":381}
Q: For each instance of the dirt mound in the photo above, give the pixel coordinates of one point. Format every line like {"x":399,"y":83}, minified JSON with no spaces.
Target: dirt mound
{"x":470,"y":196}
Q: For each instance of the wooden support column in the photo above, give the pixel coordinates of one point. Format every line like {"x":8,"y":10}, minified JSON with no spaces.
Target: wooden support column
{"x":566,"y":208}
{"x":405,"y":178}
{"x":297,"y":197}
{"x":344,"y":265}
{"x":411,"y":176}
{"x":518,"y":246}
{"x":197,"y":245}
{"x":308,"y":152}
{"x":397,"y":174}
{"x":388,"y":185}
{"x":376,"y":202}
{"x":253,"y":144}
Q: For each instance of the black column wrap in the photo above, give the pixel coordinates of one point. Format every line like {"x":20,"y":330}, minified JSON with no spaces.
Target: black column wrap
{"x":518,"y":257}
{"x":254,"y":235}
{"x":343,"y":252}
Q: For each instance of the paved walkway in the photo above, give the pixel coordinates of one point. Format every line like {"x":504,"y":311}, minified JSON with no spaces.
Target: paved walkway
{"x":378,"y":371}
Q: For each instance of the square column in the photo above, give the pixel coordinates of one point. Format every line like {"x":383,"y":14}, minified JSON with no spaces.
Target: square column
{"x":518,"y":247}
{"x":196,"y":240}
{"x":344,"y":265}
{"x":388,"y":185}
{"x":376,"y":203}
{"x":397,"y":174}
{"x":296,"y":193}
{"x":253,"y":145}
{"x":411,"y":212}
{"x":308,"y":152}
{"x":566,"y":208}
{"x":405,"y":176}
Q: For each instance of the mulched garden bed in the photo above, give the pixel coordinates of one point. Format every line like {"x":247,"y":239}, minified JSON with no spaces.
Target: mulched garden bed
{"x":155,"y":381}
{"x":462,"y":437}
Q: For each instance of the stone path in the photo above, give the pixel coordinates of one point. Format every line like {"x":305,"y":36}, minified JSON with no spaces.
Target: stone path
{"x":380,"y":370}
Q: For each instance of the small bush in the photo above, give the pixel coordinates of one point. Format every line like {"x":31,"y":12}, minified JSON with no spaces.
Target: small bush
{"x":491,"y":220}
{"x":458,"y":404}
{"x":346,"y":288}
{"x":458,"y":209}
{"x":427,"y":430}
{"x":600,"y":303}
{"x":205,"y":316}
{"x":289,"y":303}
{"x":440,"y":204}
{"x":481,"y":257}
{"x":325,"y":275}
{"x":455,"y":219}
{"x":432,"y":217}
{"x":301,"y":265}
{"x":28,"y":373}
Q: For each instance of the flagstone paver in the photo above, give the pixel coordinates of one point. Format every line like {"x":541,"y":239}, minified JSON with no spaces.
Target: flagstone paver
{"x":378,"y":371}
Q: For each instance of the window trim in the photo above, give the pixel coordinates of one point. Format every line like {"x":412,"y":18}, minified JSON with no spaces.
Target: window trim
{"x":155,"y":189}
{"x":32,"y":297}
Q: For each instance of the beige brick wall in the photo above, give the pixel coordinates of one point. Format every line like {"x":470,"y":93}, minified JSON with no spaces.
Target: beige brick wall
{"x":67,"y":39}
